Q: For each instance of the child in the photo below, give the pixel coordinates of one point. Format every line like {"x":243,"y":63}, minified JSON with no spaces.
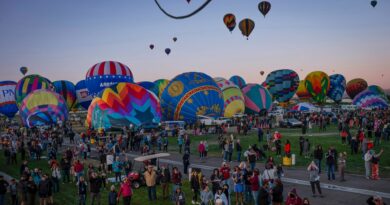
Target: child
{"x":112,"y":196}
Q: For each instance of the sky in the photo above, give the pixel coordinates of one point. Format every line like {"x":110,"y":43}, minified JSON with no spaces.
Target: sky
{"x":61,"y":40}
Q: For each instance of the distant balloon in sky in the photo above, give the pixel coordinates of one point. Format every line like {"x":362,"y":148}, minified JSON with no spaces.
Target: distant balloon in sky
{"x":374,"y":3}
{"x":167,"y":51}
{"x":188,"y":1}
{"x":174,"y":39}
{"x":246,"y":26}
{"x":151,"y":46}
{"x":262,"y":73}
{"x":230,"y":21}
{"x":264,"y":7}
{"x":23,"y":70}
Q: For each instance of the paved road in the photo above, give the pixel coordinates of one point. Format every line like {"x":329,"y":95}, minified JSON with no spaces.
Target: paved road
{"x":354,"y":191}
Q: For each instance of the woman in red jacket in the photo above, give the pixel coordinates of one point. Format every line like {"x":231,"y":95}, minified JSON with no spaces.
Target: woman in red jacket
{"x":287,"y":148}
{"x":126,"y":192}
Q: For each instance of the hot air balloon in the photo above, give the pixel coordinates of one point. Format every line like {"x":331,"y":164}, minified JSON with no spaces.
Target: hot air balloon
{"x":84,"y":99}
{"x":167,"y":51}
{"x":23,"y":70}
{"x":189,"y":95}
{"x":264,"y":7}
{"x":161,"y":84}
{"x":257,"y":99}
{"x":374,"y":3}
{"x":370,"y":99}
{"x":302,"y":92}
{"x":43,"y":107}
{"x":246,"y":26}
{"x":337,"y":87}
{"x":378,"y":90}
{"x":282,"y":84}
{"x":8,"y":105}
{"x":233,"y":97}
{"x":188,"y":1}
{"x":124,"y":104}
{"x":28,"y":84}
{"x":355,"y":86}
{"x":317,"y":84}
{"x":151,"y":46}
{"x":239,"y":81}
{"x":106,"y":74}
{"x":261,"y":73}
{"x":174,"y":39}
{"x":68,"y":91}
{"x":230,"y":21}
{"x":148,"y":86}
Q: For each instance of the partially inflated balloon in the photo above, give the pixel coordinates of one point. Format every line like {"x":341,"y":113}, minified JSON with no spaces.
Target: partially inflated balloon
{"x":282,"y":84}
{"x":302,"y":92}
{"x":29,"y":84}
{"x":68,"y":91}
{"x":23,"y":70}
{"x":246,"y":26}
{"x":43,"y":107}
{"x":317,"y":84}
{"x":370,"y":99}
{"x":239,"y":81}
{"x":124,"y":104}
{"x":161,"y":84}
{"x":189,"y":95}
{"x":8,"y":105}
{"x":83,"y":97}
{"x":264,"y":7}
{"x":230,"y":21}
{"x":257,"y":99}
{"x":106,"y":74}
{"x":233,"y":97}
{"x":356,"y":86}
{"x":167,"y":51}
{"x":337,"y":87}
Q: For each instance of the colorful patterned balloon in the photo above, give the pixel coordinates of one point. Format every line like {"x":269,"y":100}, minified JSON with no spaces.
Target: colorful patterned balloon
{"x":239,"y":81}
{"x":189,"y":95}
{"x":8,"y":105}
{"x":161,"y":84}
{"x":356,"y":86}
{"x":149,"y":86}
{"x":29,"y":84}
{"x":257,"y":98}
{"x":68,"y":91}
{"x":370,"y":99}
{"x":233,"y":97}
{"x":124,"y":104}
{"x":282,"y":84}
{"x":106,"y":74}
{"x":317,"y":84}
{"x":337,"y":87}
{"x":43,"y":107}
{"x":84,"y":99}
{"x":302,"y":92}
{"x":377,"y":89}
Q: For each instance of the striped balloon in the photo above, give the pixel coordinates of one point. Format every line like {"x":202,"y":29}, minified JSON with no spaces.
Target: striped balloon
{"x":257,"y":98}
{"x":233,"y":97}
{"x":106,"y":74}
{"x":29,"y":84}
{"x":282,"y":84}
{"x":239,"y":81}
{"x":68,"y":91}
{"x":370,"y":99}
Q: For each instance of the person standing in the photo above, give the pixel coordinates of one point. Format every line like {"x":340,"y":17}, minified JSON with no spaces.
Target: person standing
{"x":367,"y":163}
{"x":375,"y":165}
{"x":180,"y":142}
{"x":56,"y":178}
{"x":260,"y":134}
{"x":318,"y":155}
{"x":13,"y":189}
{"x":206,"y":196}
{"x":255,"y":185}
{"x":117,"y":169}
{"x":238,"y":150}
{"x":277,"y":192}
{"x":238,"y":184}
{"x":126,"y":192}
{"x":112,"y":196}
{"x":3,"y":189}
{"x":95,"y":186}
{"x":165,"y":179}
{"x":195,"y":186}
{"x":178,"y":197}
{"x":186,"y":162}
{"x":314,"y":178}
{"x":342,"y":162}
{"x":31,"y":191}
{"x":330,"y":164}
{"x":150,"y":179}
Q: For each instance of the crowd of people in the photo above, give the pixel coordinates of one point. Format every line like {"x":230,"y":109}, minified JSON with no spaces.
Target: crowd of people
{"x":245,"y":183}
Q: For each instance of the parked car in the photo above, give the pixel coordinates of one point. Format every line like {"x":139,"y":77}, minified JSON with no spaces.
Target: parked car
{"x":290,"y":122}
{"x":206,"y":120}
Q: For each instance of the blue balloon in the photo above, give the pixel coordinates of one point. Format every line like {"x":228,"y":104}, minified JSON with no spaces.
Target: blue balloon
{"x":338,"y":84}
{"x":8,"y":105}
{"x":189,"y":95}
{"x":282,"y":84}
{"x":83,"y":97}
{"x":239,"y":81}
{"x":149,"y":86}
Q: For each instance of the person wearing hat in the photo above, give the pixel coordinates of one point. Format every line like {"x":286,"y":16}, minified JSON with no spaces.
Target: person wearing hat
{"x":293,"y":198}
{"x":150,"y":179}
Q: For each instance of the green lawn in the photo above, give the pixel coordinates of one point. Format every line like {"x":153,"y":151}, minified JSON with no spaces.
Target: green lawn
{"x":329,"y":138}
